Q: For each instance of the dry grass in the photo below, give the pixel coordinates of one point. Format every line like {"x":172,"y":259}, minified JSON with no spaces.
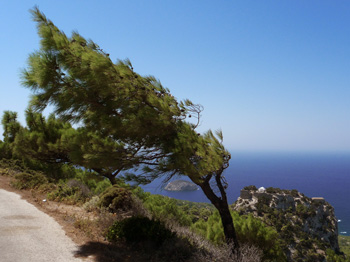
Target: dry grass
{"x":207,"y":251}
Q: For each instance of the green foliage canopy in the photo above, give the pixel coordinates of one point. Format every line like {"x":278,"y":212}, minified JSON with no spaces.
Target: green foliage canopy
{"x":83,"y":84}
{"x":126,"y":118}
{"x":43,"y":139}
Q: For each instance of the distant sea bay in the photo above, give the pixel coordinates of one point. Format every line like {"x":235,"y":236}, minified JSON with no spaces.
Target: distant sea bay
{"x":314,"y":174}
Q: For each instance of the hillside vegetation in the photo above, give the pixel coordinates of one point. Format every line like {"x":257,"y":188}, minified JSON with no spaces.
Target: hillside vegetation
{"x":194,"y":229}
{"x":307,"y":227}
{"x":153,"y":227}
{"x":132,"y":129}
{"x":344,"y":244}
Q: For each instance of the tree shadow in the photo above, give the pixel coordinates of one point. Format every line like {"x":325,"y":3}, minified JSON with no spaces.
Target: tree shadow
{"x":103,"y":252}
{"x":173,"y":250}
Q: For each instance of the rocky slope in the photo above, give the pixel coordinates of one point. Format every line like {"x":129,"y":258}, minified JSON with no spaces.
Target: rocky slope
{"x":307,"y":226}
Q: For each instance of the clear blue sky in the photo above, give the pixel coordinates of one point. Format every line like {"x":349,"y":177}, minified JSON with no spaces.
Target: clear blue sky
{"x":273,"y":75}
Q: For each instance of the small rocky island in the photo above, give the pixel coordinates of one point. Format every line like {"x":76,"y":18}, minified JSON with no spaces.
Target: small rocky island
{"x":181,"y":185}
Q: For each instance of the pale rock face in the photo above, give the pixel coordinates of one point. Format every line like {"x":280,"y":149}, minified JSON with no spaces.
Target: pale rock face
{"x":181,"y":185}
{"x":315,"y":217}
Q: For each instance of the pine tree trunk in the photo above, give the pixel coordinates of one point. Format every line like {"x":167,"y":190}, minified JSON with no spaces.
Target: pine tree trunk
{"x":226,"y":218}
{"x":112,"y":179}
{"x":110,"y":176}
{"x":227,"y":223}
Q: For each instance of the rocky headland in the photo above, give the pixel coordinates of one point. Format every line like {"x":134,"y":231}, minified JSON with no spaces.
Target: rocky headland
{"x":307,"y":226}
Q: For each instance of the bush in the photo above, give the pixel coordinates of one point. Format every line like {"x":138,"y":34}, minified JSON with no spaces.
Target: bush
{"x":5,"y":150}
{"x":251,"y":187}
{"x":294,"y":193}
{"x":92,"y":204}
{"x":273,"y":190}
{"x":12,"y":166}
{"x":82,"y":188}
{"x":115,"y":198}
{"x":63,"y":193}
{"x":96,"y":183}
{"x":166,"y":209}
{"x":249,"y":230}
{"x":26,"y":180}
{"x":139,"y":229}
{"x":332,"y":256}
{"x":72,"y":192}
{"x":101,"y":186}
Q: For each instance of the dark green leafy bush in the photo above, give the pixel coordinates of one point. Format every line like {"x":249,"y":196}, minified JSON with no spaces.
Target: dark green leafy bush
{"x":273,"y":190}
{"x":115,"y":198}
{"x":294,"y":193}
{"x":251,"y":187}
{"x":139,"y":229}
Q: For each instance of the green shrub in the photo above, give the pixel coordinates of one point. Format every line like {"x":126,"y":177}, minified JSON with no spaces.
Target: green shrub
{"x":72,"y":192}
{"x":273,"y":190}
{"x":63,"y":192}
{"x":14,"y":166}
{"x":92,"y":204}
{"x":249,"y":230}
{"x":139,"y":229}
{"x":26,"y":180}
{"x":344,"y":244}
{"x":294,"y":193}
{"x":166,"y":209}
{"x":251,"y":187}
{"x":83,"y":189}
{"x":331,"y":256}
{"x":115,"y":198}
{"x":101,"y":186}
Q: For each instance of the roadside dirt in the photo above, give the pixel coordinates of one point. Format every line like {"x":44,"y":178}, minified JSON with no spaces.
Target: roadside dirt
{"x":78,"y":224}
{"x":83,"y":227}
{"x":64,"y":214}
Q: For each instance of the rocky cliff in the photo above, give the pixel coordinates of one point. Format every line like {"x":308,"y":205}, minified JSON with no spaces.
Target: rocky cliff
{"x":307,"y":226}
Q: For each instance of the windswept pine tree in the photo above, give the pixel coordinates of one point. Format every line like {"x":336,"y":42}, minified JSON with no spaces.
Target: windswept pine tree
{"x":202,"y":158}
{"x":127,"y":120}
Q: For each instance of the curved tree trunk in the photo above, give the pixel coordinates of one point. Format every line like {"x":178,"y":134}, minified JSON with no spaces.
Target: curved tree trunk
{"x":222,"y":206}
{"x":112,"y":179}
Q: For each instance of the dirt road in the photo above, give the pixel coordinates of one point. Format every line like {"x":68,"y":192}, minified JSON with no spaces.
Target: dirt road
{"x":27,"y":234}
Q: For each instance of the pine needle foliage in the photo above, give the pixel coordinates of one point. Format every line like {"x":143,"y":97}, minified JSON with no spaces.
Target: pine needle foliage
{"x":43,"y":139}
{"x":127,"y":120}
{"x":125,"y":117}
{"x":10,"y":125}
{"x":83,"y":84}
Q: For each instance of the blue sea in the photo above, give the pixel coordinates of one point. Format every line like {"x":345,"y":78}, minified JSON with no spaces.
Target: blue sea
{"x":314,"y":174}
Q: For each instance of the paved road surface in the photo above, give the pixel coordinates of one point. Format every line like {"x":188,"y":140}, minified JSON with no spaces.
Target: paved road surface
{"x":27,"y":234}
